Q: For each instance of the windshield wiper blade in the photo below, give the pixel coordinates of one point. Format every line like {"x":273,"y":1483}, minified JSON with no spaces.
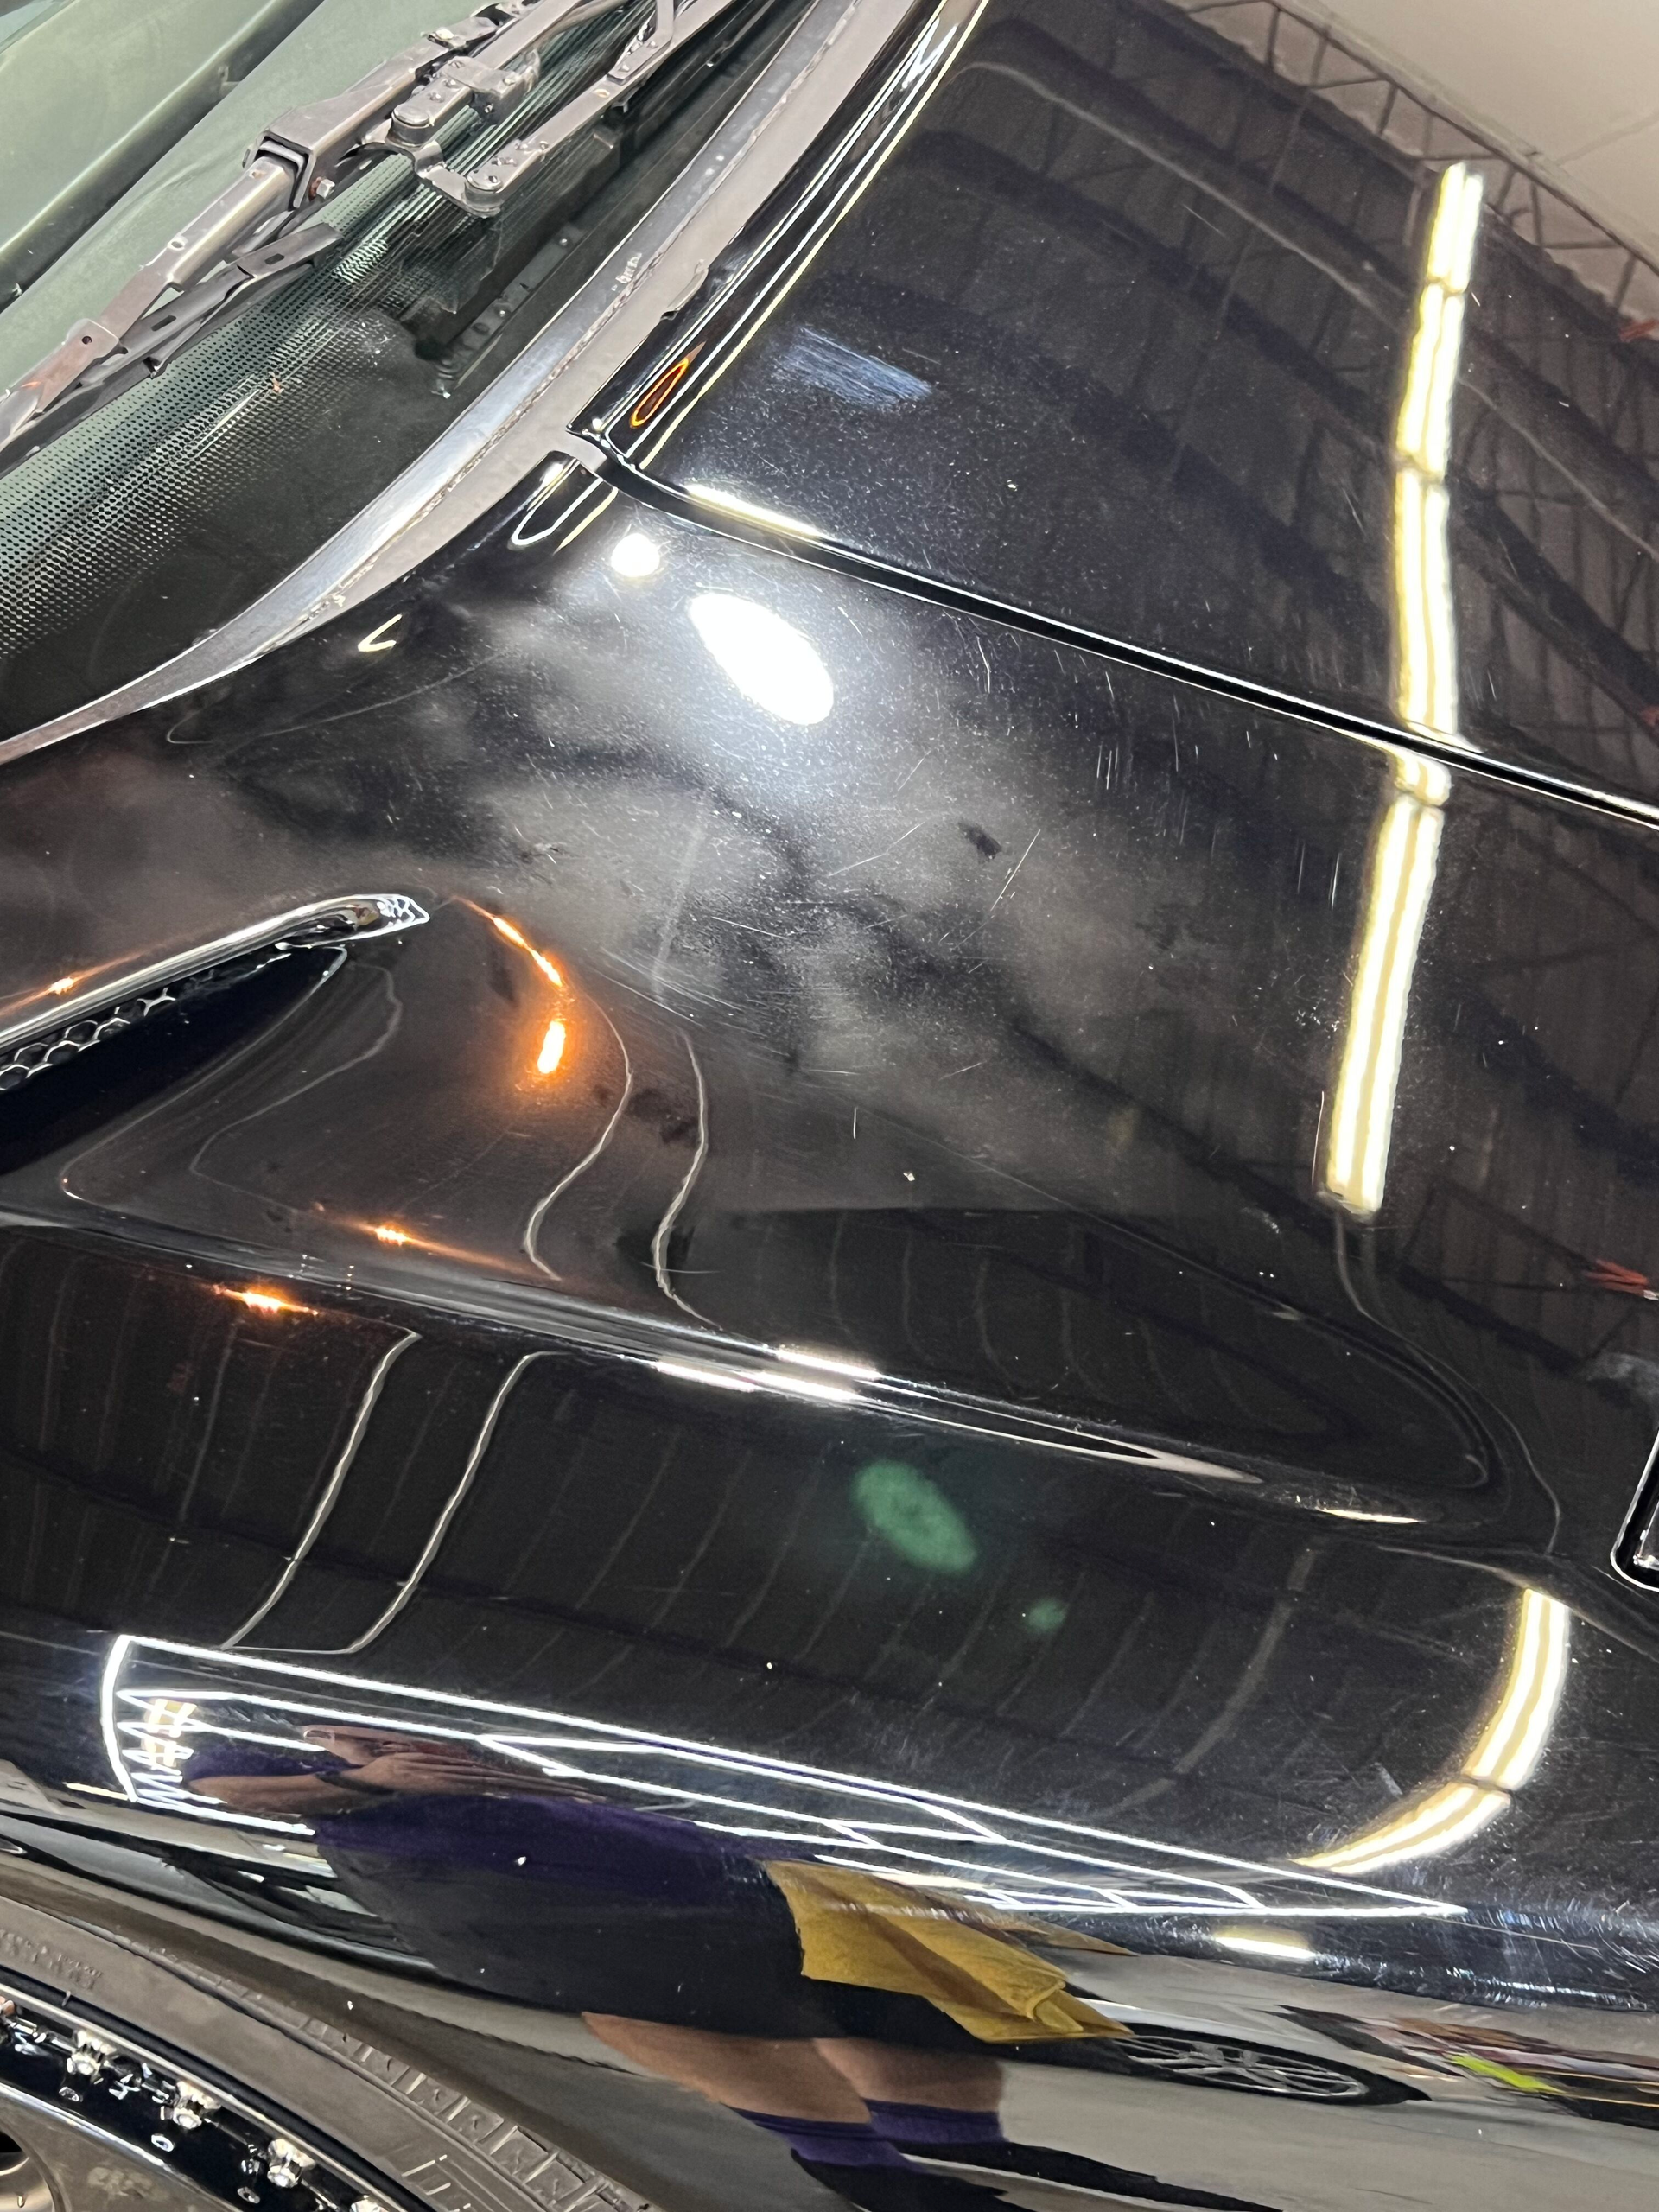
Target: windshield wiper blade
{"x":255,"y":236}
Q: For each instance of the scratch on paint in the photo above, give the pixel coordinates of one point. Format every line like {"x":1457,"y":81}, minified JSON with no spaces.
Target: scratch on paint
{"x":1013,"y":872}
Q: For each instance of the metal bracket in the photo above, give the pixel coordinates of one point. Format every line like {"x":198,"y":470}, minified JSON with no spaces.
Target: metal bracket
{"x":489,"y":63}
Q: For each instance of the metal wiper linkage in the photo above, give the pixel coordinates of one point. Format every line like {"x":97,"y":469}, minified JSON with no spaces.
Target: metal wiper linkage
{"x":257,"y":235}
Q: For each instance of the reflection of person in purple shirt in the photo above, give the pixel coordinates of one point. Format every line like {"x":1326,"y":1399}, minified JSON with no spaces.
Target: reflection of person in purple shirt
{"x":532,"y":1886}
{"x":672,"y":1943}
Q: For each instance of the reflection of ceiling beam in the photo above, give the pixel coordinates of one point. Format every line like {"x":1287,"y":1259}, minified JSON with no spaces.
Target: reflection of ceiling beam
{"x":1523,"y":400}
{"x":1521,"y":578}
{"x":1358,"y":93}
{"x":1551,"y":603}
{"x":1112,"y":106}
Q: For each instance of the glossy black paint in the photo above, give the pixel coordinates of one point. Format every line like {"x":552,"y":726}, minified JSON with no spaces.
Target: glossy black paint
{"x":1070,"y":947}
{"x":807,"y":1317}
{"x":1121,"y":333}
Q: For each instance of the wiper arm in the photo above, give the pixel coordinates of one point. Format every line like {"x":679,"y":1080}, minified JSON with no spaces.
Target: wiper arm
{"x":255,"y":236}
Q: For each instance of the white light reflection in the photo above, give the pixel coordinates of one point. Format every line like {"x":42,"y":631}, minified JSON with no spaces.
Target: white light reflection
{"x":730,"y":503}
{"x":1270,"y":1943}
{"x":717,"y":1378}
{"x":859,"y":1371}
{"x":767,"y":658}
{"x":636,"y":555}
{"x":1503,"y":1758}
{"x":1399,"y":883}
{"x":986,"y":1853}
{"x":781,"y":1385}
{"x":1405,"y":846}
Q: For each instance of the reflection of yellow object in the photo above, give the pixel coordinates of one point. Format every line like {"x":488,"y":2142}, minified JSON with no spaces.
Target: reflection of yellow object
{"x":855,"y":1928}
{"x":1489,"y":2070}
{"x":1502,"y":1756}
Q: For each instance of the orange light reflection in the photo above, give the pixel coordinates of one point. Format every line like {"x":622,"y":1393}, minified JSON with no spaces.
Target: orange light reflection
{"x":552,"y":1052}
{"x":266,"y":1301}
{"x":517,"y":936}
{"x":386,"y":1232}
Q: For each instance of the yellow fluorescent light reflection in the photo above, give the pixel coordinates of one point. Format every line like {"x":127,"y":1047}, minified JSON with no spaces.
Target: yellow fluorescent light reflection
{"x":1404,"y":857}
{"x":1503,"y":1756}
{"x":1405,"y":848}
{"x":1411,"y":431}
{"x":1509,"y":1748}
{"x":1426,"y":691}
{"x":1447,"y":1816}
{"x":1423,"y":432}
{"x":1455,"y":228}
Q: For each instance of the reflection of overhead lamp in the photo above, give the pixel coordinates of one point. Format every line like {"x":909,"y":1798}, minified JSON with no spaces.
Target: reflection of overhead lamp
{"x":1503,"y":1756}
{"x":730,"y":503}
{"x":1357,"y":1513}
{"x":1405,"y":846}
{"x":758,"y":1379}
{"x":831,"y":1363}
{"x":1400,"y":880}
{"x":767,"y":658}
{"x":1512,"y":1742}
{"x":1426,"y":689}
{"x":380,"y":639}
{"x":552,"y":1052}
{"x":682,"y":1370}
{"x":388,"y":1235}
{"x":1269,"y":1943}
{"x":636,"y":555}
{"x":266,"y":1301}
{"x":64,"y":985}
{"x":804,"y":1386}
{"x":516,"y":936}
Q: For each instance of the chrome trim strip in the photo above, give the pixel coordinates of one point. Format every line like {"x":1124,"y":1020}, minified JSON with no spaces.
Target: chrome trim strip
{"x":325,"y":921}
{"x":519,"y":420}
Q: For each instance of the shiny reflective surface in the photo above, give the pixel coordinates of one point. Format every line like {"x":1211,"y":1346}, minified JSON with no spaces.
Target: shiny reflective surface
{"x":1134,"y":329}
{"x":894,"y":1473}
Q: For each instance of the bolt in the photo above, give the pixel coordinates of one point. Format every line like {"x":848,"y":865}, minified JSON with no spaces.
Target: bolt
{"x":288,"y":2163}
{"x":90,"y":2055}
{"x":188,"y":2106}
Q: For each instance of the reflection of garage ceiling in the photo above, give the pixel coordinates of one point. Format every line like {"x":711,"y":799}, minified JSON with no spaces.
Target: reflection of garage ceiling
{"x":1574,"y":91}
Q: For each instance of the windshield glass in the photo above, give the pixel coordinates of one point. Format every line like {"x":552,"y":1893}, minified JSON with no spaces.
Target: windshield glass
{"x":171,"y":507}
